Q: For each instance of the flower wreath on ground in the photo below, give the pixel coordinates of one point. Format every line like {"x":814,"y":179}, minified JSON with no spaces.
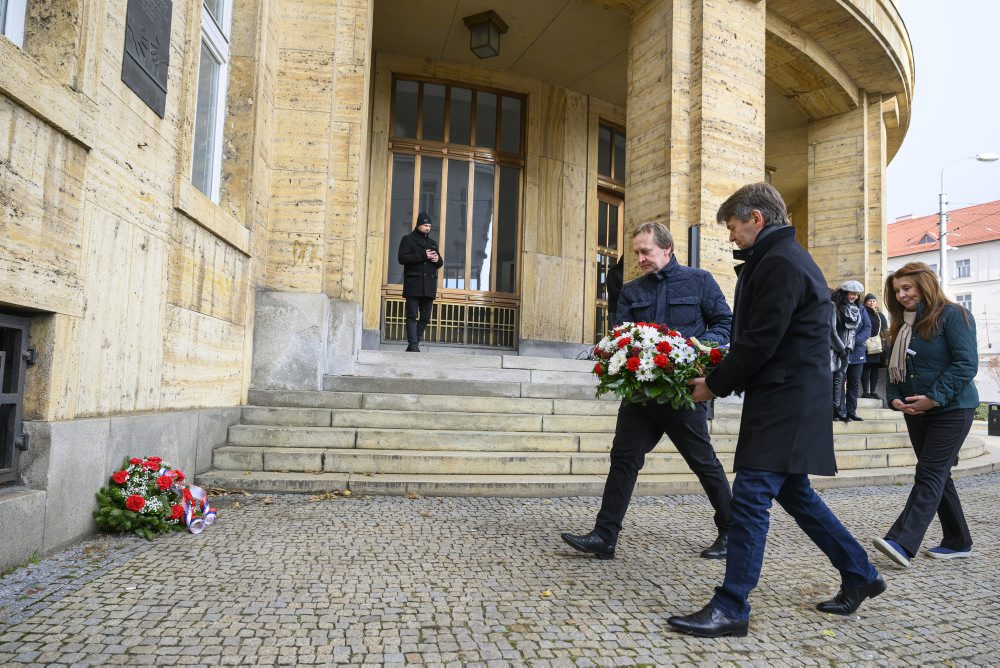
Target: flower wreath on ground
{"x":646,"y":363}
{"x":148,"y":497}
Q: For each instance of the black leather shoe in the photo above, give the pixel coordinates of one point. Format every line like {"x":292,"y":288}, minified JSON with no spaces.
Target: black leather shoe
{"x":855,"y":418}
{"x":412,"y":348}
{"x":716,"y":550}
{"x":848,"y":599}
{"x":592,"y":543}
{"x":709,"y":623}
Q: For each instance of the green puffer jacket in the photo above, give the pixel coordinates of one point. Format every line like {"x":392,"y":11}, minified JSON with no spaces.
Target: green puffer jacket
{"x":944,"y":367}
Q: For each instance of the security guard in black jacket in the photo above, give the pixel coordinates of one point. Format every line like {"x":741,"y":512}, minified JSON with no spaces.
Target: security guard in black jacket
{"x":418,"y":253}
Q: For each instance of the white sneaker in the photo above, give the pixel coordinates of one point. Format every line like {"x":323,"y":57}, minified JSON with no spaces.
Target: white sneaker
{"x":946,"y":553}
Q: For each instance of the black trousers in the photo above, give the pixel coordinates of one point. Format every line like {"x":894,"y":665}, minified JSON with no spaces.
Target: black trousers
{"x":418,"y":315}
{"x":849,"y":399}
{"x":936,"y":438}
{"x":638,"y":430}
{"x":869,"y":377}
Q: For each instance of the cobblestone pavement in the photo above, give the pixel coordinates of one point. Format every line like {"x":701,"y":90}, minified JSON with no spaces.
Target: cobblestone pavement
{"x":388,"y":580}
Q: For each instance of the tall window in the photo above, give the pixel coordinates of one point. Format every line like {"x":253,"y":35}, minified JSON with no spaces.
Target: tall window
{"x":12,"y":20}
{"x":13,"y":349}
{"x":963,"y":268}
{"x":965,"y":301}
{"x":210,"y":110}
{"x":457,"y":153}
{"x":610,"y":216}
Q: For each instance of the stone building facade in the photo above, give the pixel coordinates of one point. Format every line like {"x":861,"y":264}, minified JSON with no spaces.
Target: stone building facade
{"x":230,"y":221}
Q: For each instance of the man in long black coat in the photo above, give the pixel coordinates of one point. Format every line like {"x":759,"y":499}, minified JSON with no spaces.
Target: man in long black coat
{"x":418,"y":253}
{"x":780,"y":358}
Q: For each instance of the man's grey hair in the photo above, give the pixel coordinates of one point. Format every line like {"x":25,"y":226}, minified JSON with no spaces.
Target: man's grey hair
{"x":762,"y":197}
{"x":661,"y":234}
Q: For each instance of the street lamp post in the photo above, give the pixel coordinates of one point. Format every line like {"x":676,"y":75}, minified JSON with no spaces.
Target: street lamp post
{"x":943,"y":218}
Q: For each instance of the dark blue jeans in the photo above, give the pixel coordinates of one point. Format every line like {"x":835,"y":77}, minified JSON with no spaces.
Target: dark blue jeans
{"x":753,"y":492}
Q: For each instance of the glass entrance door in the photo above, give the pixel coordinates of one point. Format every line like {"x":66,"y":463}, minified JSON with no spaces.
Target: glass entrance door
{"x":457,"y":154}
{"x":610,"y":227}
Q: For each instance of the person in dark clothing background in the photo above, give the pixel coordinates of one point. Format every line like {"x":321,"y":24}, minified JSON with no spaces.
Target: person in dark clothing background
{"x":691,"y":302}
{"x":418,"y":253}
{"x":616,"y":279}
{"x":874,"y":347}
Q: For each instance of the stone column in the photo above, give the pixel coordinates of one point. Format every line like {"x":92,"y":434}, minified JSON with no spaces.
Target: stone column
{"x":319,"y":180}
{"x":695,"y":117}
{"x":846,"y":163}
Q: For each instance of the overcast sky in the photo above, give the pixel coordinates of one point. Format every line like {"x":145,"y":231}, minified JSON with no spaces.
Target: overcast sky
{"x":956,"y":107}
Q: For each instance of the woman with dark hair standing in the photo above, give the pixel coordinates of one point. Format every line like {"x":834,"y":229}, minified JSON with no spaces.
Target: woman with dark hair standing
{"x":874,"y":348}
{"x":932,"y":364}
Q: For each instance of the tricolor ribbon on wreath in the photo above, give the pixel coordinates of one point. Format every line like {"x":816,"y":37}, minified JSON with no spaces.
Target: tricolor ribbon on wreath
{"x":195,"y":503}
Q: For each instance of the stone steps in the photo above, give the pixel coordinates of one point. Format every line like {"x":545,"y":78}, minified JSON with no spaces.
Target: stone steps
{"x":539,"y":485}
{"x":304,"y":436}
{"x":494,"y":422}
{"x":448,"y":423}
{"x":477,"y":462}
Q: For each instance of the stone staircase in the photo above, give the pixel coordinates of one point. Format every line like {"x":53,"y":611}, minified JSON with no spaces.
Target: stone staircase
{"x":494,"y":425}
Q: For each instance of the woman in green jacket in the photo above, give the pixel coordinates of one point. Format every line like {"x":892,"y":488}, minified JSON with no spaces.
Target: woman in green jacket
{"x":932,"y":364}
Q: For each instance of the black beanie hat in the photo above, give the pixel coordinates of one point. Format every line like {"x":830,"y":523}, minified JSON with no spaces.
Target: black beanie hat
{"x":422,"y":218}
{"x":869,"y":296}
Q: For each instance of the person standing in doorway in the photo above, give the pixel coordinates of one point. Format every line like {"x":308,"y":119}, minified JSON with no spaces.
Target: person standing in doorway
{"x":690,"y":301}
{"x":779,"y":358}
{"x":418,"y":253}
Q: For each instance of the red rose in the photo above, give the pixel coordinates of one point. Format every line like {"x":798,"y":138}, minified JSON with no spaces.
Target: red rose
{"x":155,"y":460}
{"x":186,"y":493}
{"x":661,"y":361}
{"x":179,"y":476}
{"x":597,"y":369}
{"x":640,"y":324}
{"x":674,"y":333}
{"x":664,"y":347}
{"x":135,"y":503}
{"x":715,"y":355}
{"x":135,"y":460}
{"x":632,"y":363}
{"x":176,"y":511}
{"x":120,"y":477}
{"x":624,"y":342}
{"x":164,"y":482}
{"x":149,"y":465}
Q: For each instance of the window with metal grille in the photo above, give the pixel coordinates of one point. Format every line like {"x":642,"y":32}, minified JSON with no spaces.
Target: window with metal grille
{"x":14,"y":355}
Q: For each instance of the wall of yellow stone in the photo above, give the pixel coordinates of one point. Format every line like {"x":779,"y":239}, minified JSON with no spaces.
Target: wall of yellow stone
{"x":141,"y":287}
{"x":144,"y":288}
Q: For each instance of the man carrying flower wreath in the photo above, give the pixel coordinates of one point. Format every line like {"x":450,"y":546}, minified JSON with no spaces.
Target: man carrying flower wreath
{"x":691,"y":302}
{"x":779,"y":357}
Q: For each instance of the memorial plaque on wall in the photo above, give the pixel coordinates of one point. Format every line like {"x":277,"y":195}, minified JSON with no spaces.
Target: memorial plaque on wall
{"x":147,"y":51}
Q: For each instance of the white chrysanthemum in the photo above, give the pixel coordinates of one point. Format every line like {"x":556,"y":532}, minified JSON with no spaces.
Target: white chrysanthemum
{"x":683,"y":355}
{"x":644,"y":375}
{"x":645,"y":363}
{"x":616,"y":362}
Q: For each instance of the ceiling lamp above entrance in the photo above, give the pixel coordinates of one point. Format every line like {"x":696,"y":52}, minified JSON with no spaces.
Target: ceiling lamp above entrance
{"x":485,"y":29}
